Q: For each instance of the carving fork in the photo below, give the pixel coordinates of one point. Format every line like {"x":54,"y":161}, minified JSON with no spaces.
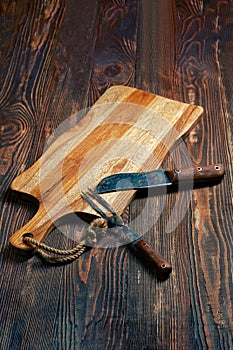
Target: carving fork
{"x":138,"y":245}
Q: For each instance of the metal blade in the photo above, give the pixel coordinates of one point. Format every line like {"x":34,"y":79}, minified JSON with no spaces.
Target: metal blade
{"x":133,"y":181}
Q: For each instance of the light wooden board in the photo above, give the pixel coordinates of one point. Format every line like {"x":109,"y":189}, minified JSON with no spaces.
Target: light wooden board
{"x":126,"y":130}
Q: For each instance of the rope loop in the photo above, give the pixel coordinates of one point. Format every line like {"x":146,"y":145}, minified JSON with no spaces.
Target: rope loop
{"x":54,"y":255}
{"x":58,"y":255}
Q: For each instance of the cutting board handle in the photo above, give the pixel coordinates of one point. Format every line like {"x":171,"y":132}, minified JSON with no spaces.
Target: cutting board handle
{"x":38,"y":228}
{"x":121,"y":132}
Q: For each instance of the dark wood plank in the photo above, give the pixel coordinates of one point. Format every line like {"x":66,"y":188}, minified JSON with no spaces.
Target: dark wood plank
{"x":114,"y":54}
{"x":98,"y":285}
{"x":44,"y":78}
{"x":183,"y":51}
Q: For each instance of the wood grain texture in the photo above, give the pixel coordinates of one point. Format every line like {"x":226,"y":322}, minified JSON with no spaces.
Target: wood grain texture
{"x":202,"y":240}
{"x":36,"y":88}
{"x":141,"y":125}
{"x":59,"y":57}
{"x":114,"y":54}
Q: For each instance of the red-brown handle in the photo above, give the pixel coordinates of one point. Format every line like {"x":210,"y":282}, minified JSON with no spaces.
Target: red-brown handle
{"x":197,"y":173}
{"x":153,"y":258}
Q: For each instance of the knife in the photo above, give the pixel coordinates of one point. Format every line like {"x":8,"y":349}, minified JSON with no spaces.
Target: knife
{"x":159,"y":178}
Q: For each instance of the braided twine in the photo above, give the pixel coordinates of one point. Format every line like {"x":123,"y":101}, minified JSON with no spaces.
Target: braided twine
{"x":54,"y":255}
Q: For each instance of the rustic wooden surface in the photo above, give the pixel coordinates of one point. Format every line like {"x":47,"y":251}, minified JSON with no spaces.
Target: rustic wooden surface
{"x":59,"y":57}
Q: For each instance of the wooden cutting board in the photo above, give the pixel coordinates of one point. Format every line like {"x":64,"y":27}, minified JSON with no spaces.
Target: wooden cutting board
{"x":126,"y":130}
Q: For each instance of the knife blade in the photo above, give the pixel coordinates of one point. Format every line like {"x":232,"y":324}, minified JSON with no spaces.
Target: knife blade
{"x":159,"y":178}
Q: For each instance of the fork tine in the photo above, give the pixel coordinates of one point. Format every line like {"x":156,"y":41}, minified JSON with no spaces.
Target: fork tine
{"x":94,"y":206}
{"x":102,"y":201}
{"x":138,"y":244}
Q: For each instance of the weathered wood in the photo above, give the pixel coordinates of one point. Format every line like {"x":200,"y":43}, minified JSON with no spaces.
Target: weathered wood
{"x":40,"y":87}
{"x":183,"y":49}
{"x":58,"y":58}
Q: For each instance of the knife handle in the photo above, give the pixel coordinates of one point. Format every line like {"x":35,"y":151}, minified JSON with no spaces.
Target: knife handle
{"x":198,"y":173}
{"x":153,"y":258}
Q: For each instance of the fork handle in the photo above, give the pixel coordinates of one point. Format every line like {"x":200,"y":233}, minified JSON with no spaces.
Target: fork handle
{"x":152,"y":257}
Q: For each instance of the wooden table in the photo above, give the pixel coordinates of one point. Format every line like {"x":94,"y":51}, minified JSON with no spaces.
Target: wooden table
{"x":58,"y":58}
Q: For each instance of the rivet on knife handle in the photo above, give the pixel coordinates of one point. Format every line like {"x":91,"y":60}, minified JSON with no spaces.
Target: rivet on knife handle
{"x":159,"y":178}
{"x":197,"y":173}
